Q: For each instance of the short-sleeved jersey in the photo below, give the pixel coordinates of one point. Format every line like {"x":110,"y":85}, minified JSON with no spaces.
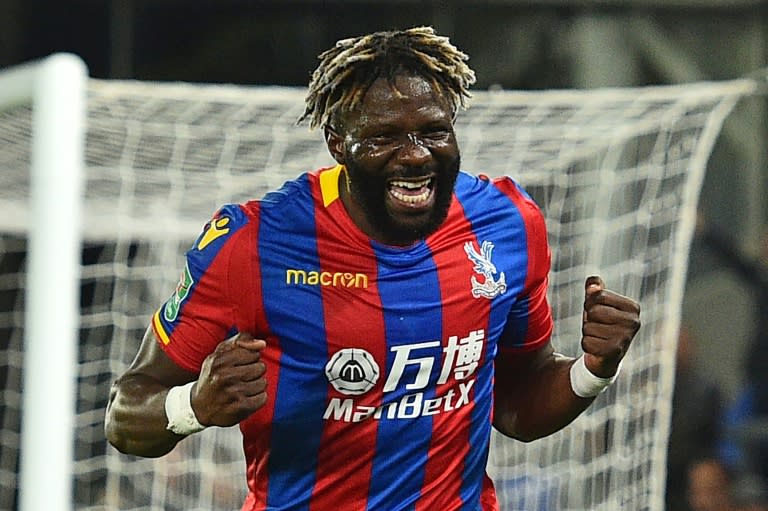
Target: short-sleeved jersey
{"x":379,"y":359}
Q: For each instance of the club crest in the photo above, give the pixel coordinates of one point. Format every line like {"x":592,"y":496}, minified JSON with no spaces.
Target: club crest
{"x":491,"y":286}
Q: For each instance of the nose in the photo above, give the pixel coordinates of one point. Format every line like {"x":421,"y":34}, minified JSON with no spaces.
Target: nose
{"x":413,"y":151}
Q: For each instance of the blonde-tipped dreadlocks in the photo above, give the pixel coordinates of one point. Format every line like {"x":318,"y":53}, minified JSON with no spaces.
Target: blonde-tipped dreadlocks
{"x":347,"y":70}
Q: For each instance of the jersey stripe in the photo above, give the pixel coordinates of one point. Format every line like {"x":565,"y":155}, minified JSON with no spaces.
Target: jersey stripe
{"x":246,"y":275}
{"x":346,"y":458}
{"x":398,"y":474}
{"x":538,"y":328}
{"x":294,"y":444}
{"x":450,"y":445}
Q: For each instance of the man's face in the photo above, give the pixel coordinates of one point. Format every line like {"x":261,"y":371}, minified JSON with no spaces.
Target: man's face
{"x":402,"y":159}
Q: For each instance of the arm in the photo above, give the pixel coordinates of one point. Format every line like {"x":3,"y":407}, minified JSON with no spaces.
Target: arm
{"x":534,"y":396}
{"x":230,"y":386}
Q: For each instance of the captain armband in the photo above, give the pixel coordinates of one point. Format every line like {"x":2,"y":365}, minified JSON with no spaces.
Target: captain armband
{"x":178,"y":410}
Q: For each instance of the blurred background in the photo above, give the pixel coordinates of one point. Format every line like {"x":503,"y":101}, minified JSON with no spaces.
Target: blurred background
{"x":513,"y":44}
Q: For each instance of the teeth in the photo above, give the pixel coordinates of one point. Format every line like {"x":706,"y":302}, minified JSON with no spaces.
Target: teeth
{"x":398,"y":186}
{"x":411,"y":199}
{"x":411,"y":185}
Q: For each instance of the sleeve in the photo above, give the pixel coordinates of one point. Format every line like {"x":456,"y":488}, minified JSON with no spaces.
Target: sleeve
{"x":201,"y":311}
{"x":529,"y":323}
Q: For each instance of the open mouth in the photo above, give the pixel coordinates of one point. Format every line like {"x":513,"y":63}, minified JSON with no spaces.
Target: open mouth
{"x":412,"y":193}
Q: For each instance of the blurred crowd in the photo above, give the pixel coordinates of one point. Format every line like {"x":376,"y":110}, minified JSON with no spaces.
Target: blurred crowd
{"x":718,"y":446}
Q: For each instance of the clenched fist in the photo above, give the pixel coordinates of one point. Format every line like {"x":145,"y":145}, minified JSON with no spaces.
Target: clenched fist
{"x":610,"y":323}
{"x":232,"y":382}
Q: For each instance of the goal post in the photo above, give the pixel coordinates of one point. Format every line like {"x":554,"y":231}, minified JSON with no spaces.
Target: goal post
{"x":56,"y":88}
{"x":637,"y":233}
{"x":617,"y":173}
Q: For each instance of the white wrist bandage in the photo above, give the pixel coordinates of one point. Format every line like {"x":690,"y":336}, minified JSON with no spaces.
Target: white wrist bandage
{"x":178,"y":410}
{"x":586,"y":384}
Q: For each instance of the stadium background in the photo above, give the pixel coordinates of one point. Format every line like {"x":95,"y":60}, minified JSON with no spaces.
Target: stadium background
{"x":513,"y":44}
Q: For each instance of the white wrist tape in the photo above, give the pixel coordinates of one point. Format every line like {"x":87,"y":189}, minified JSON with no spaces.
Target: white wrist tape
{"x":586,"y":384}
{"x":178,"y":410}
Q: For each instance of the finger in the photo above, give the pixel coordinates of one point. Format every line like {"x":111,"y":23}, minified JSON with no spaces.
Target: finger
{"x":614,"y":328}
{"x":619,"y":335}
{"x":245,"y":358}
{"x":231,"y":356}
{"x":592,"y":287}
{"x":609,"y":298}
{"x":251,"y":372}
{"x":251,"y":344}
{"x":232,"y":342}
{"x":598,"y":330}
{"x":255,"y":402}
{"x":241,"y":340}
{"x":610,"y":315}
{"x":255,"y":388}
{"x":247,"y":341}
{"x":241,"y":336}
{"x":243,"y":385}
{"x":605,"y":342}
{"x":593,"y":284}
{"x":252,"y":347}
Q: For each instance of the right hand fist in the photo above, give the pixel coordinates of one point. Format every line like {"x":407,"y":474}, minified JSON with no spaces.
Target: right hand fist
{"x":232,"y":382}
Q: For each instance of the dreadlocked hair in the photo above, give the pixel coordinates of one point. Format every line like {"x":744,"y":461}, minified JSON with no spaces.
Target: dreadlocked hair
{"x":347,"y":70}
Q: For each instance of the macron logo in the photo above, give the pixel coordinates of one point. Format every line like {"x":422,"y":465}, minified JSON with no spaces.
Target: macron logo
{"x":296,"y":277}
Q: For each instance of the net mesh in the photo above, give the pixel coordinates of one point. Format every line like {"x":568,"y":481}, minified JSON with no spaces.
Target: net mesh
{"x":616,"y":172}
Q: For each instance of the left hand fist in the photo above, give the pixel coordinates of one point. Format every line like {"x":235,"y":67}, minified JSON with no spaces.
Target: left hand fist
{"x":610,"y":323}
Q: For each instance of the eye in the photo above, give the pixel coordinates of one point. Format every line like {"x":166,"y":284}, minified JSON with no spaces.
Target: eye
{"x":436,"y":133}
{"x":379,"y":140}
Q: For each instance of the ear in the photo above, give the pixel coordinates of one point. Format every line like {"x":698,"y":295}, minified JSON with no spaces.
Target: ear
{"x":335,"y":143}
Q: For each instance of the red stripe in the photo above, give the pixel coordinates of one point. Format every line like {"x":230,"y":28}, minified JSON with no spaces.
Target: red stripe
{"x":450,"y":431}
{"x":488,"y":501}
{"x":347,"y":449}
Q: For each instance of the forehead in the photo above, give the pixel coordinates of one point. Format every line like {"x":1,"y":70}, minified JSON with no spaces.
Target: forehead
{"x":409,"y":98}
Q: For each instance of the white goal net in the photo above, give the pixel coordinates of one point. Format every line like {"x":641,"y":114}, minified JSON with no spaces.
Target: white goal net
{"x":616,"y":171}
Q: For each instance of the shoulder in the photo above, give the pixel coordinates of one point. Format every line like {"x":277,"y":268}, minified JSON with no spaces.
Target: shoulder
{"x":228,"y":220}
{"x":291,"y":202}
{"x":501,"y":206}
{"x":289,"y":192}
{"x":500,"y":193}
{"x":473,"y":184}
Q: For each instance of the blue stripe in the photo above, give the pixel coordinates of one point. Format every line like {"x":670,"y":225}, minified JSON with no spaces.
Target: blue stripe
{"x":411,"y":300}
{"x":494,"y":217}
{"x":299,"y":394}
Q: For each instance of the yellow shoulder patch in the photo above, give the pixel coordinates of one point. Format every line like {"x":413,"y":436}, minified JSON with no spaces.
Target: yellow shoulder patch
{"x":329,"y":185}
{"x":216,"y":229}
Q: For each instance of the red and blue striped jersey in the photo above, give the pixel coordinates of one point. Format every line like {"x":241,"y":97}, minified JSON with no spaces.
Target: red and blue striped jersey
{"x":379,"y":358}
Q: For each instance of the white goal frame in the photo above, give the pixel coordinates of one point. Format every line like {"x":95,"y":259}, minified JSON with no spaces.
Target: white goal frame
{"x":56,"y":87}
